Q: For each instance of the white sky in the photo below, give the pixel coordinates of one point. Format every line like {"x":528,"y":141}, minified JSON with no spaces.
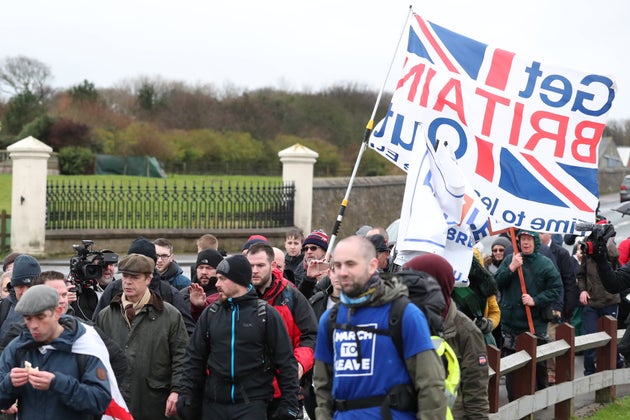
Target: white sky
{"x":299,"y":44}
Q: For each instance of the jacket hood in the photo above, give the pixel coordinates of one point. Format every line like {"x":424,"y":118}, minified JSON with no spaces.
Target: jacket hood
{"x":387,"y":290}
{"x":536,"y":237}
{"x":72,"y":330}
{"x":173,"y":270}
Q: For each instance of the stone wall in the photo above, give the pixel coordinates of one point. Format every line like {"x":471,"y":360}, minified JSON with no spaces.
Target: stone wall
{"x":374,"y":201}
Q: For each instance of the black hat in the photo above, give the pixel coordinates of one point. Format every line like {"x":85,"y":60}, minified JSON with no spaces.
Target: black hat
{"x":25,"y":270}
{"x":209,"y":257}
{"x":143,"y":246}
{"x":379,"y":242}
{"x":236,"y":268}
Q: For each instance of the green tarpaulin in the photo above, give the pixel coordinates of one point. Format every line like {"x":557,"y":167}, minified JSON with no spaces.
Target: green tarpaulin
{"x":132,"y":165}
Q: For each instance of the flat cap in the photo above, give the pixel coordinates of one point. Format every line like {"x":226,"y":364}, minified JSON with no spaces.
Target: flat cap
{"x":37,"y":299}
{"x":136,"y":264}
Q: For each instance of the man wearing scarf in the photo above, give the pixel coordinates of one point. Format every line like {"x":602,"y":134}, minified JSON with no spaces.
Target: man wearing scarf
{"x":543,"y":287}
{"x":359,"y":373}
{"x":154,"y":337}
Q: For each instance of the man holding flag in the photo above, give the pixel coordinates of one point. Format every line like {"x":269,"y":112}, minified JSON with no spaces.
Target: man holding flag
{"x":543,"y":288}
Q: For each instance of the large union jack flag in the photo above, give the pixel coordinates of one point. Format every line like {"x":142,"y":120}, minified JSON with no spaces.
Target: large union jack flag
{"x":525,"y":133}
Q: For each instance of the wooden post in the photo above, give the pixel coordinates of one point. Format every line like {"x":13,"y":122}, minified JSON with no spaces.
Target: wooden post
{"x":606,"y":357}
{"x":565,"y":369}
{"x":494,"y":361}
{"x":525,"y":383}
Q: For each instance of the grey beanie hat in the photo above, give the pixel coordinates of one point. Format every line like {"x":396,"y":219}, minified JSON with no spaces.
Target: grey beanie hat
{"x":25,"y":270}
{"x":501,"y":241}
{"x":37,"y":299}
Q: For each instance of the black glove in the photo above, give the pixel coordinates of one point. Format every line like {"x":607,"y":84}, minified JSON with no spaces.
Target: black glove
{"x":188,"y":408}
{"x":484,"y":324}
{"x":600,"y":251}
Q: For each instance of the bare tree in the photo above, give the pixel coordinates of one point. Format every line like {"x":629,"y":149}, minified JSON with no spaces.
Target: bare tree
{"x":21,"y":74}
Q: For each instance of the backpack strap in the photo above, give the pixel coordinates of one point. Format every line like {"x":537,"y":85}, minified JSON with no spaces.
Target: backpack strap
{"x":394,"y":330}
{"x":396,"y":314}
{"x":261,"y":311}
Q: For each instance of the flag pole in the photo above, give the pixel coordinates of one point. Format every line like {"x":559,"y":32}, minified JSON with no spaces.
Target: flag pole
{"x":521,"y":278}
{"x":366,"y":137}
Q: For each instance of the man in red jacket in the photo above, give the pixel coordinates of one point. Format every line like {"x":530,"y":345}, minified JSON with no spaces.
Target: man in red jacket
{"x":294,"y":308}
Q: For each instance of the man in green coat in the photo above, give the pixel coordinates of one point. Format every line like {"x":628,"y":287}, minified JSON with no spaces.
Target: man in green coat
{"x":154,"y":337}
{"x":543,"y":286}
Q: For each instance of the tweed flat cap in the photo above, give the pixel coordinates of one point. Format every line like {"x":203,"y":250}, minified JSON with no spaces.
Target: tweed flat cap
{"x":136,"y":264}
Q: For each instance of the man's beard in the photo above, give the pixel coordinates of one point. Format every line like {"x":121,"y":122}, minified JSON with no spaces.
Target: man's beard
{"x":265,"y":281}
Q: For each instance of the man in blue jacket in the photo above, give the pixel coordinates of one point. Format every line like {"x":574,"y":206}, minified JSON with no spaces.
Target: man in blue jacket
{"x":40,"y":369}
{"x":358,"y":370}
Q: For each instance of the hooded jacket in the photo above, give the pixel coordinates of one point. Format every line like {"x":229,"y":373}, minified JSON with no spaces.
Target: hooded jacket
{"x":542,"y":282}
{"x":227,"y":357}
{"x":69,"y":397}
{"x":175,"y":276}
{"x":343,"y":373}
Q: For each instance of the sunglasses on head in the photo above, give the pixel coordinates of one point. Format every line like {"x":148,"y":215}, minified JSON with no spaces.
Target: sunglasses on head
{"x":498,"y":250}
{"x":310,"y":248}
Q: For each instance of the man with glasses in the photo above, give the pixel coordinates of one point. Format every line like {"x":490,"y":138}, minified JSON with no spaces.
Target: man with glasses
{"x":310,"y":272}
{"x":169,"y":270}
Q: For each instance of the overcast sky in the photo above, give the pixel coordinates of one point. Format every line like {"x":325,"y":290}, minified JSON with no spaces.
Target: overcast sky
{"x":299,"y":44}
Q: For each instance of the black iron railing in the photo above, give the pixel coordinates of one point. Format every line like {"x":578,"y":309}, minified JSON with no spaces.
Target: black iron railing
{"x":164,"y":205}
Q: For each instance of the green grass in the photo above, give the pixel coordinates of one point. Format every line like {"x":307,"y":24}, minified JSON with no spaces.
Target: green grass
{"x":179,"y":180}
{"x":616,"y":410}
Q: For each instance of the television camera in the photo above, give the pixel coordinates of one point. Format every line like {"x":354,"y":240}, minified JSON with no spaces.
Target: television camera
{"x":86,"y":267}
{"x":598,"y":238}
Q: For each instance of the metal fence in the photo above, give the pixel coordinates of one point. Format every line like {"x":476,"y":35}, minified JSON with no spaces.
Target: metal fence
{"x":165,"y":205}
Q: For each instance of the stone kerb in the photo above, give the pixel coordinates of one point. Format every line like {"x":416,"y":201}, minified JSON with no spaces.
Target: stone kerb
{"x":28,"y":198}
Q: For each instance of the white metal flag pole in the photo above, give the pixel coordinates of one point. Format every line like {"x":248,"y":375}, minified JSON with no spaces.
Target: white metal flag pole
{"x":366,"y":137}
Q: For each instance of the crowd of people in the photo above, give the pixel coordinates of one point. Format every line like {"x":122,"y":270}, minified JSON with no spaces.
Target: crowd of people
{"x":267,"y":333}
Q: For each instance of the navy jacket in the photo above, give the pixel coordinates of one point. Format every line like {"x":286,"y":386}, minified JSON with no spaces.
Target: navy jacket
{"x":69,"y":397}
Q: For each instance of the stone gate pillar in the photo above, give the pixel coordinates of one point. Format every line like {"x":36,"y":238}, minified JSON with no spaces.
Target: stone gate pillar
{"x":297,"y":167}
{"x":28,"y":196}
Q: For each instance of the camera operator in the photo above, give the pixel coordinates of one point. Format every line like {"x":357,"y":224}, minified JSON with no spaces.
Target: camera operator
{"x":90,"y":272}
{"x":615,"y":281}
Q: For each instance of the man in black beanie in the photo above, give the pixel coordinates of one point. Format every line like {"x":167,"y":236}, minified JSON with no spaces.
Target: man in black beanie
{"x":233,"y":377}
{"x":203,"y":291}
{"x":25,"y":271}
{"x":167,"y":292}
